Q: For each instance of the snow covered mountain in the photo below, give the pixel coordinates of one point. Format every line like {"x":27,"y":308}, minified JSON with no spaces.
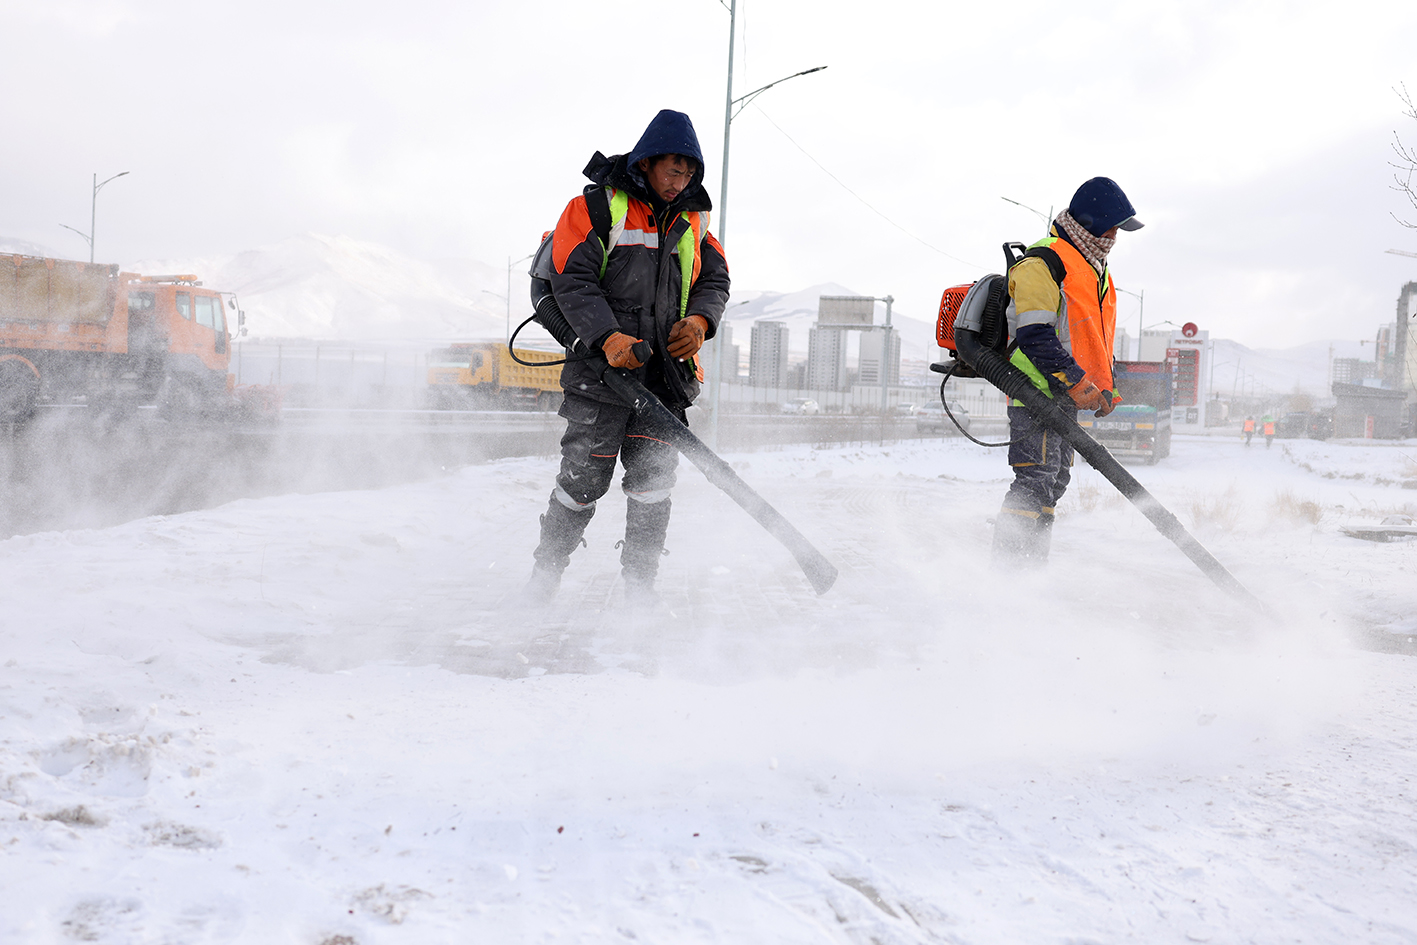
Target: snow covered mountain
{"x":12,"y":245}
{"x":335,"y":287}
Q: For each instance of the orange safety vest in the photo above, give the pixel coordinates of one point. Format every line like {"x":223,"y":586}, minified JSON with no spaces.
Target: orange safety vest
{"x":1269,"y":428}
{"x":1249,"y":426}
{"x":1090,"y":306}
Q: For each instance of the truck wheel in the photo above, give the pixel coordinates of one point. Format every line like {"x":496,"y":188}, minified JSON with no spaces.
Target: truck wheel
{"x":19,"y":390}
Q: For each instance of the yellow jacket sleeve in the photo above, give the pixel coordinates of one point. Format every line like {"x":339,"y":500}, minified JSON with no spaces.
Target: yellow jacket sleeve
{"x":1035,"y":294}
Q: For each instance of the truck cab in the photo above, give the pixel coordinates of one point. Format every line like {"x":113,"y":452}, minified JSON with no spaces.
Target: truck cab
{"x":175,"y":336}
{"x":1140,"y":426}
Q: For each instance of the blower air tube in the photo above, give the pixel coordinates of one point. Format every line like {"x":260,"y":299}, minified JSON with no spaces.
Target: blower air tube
{"x":548,"y":316}
{"x":819,"y":571}
{"x":1059,"y":416}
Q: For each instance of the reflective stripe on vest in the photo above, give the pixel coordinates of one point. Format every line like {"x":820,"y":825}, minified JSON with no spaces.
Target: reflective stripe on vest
{"x":619,"y":207}
{"x":687,"y":247}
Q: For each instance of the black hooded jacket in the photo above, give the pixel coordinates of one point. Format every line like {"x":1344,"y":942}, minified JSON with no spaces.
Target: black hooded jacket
{"x":640,"y":292}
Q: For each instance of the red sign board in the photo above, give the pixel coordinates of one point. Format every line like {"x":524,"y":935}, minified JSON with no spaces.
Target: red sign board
{"x":1187,"y":379}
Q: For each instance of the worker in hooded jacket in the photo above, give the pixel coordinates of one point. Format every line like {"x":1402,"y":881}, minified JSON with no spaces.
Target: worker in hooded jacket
{"x":1063,"y":318}
{"x":663,"y":280}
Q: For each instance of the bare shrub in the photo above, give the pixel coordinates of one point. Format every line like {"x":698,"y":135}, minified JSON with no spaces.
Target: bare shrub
{"x":1218,"y":512}
{"x":1286,"y":505}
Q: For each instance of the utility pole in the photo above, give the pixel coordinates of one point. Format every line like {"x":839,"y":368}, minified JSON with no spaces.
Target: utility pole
{"x":885,"y":358}
{"x":93,"y":212}
{"x":1141,"y":311}
{"x":720,"y":225}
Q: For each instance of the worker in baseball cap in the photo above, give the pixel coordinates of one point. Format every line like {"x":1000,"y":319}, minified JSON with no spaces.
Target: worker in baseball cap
{"x":1063,"y":324}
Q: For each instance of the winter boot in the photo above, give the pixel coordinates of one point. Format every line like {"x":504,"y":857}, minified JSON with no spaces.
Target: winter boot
{"x":646,"y":524}
{"x":561,"y":531}
{"x":1045,"y":534}
{"x":1021,"y":538}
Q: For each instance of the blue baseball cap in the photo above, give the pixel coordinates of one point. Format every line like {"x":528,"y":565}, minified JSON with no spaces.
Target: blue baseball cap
{"x":1100,"y":205}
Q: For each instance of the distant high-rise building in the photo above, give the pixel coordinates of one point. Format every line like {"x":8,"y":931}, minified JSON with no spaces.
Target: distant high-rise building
{"x":727,"y":353}
{"x":767,"y":358}
{"x":869,"y":371}
{"x":1122,"y":345}
{"x":826,"y":359}
{"x":1403,"y":365}
{"x":1353,"y":370}
{"x":1384,"y":345}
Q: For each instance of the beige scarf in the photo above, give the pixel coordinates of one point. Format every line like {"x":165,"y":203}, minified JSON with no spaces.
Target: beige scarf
{"x":1093,"y":248}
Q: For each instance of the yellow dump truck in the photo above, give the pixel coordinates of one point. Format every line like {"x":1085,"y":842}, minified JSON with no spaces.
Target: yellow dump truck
{"x":482,"y":375}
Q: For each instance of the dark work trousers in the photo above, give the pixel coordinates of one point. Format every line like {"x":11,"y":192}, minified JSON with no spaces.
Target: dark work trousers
{"x":1042,"y":462}
{"x":596,"y":433}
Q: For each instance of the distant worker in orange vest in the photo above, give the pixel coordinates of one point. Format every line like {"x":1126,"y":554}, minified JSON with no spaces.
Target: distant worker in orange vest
{"x":1268,"y":431}
{"x":1249,"y":429}
{"x":1063,"y":320}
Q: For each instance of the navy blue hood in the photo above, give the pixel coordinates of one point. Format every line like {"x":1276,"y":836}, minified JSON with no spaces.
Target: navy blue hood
{"x":670,"y":132}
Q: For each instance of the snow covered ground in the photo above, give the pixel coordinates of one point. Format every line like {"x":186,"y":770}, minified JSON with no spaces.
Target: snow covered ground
{"x":313,"y":719}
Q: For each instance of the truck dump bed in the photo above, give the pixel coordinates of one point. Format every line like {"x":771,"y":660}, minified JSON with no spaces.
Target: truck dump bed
{"x":56,"y":291}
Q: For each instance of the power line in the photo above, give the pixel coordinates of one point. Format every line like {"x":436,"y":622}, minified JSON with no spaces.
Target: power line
{"x":863,"y":200}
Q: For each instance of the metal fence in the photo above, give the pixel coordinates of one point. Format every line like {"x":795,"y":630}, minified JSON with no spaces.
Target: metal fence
{"x":314,"y":374}
{"x":344,"y":374}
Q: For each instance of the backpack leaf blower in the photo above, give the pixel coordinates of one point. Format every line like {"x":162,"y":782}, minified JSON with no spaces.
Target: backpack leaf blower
{"x":819,"y":571}
{"x":977,"y":333}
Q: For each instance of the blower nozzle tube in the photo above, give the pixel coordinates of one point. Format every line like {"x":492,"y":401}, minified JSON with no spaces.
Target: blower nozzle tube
{"x":1061,"y":417}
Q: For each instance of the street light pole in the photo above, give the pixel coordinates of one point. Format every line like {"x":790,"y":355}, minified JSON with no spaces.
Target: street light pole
{"x":1141,"y":311}
{"x":716,"y":360}
{"x":885,"y":357}
{"x":93,"y":212}
{"x":508,"y":297}
{"x":93,"y":208}
{"x":727,"y":130}
{"x":715,"y":380}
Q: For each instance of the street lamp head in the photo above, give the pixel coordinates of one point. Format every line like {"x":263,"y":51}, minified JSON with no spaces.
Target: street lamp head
{"x":100,"y":184}
{"x":81,"y":233}
{"x":1038,"y":213}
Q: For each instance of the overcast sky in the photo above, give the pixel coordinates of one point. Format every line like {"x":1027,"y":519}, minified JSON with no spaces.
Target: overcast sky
{"x":1253,"y":138}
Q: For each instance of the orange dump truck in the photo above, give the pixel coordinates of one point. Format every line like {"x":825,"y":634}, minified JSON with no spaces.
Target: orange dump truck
{"x":74,"y":332}
{"x":483,"y":374}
